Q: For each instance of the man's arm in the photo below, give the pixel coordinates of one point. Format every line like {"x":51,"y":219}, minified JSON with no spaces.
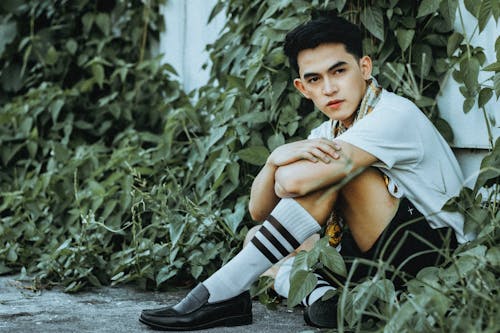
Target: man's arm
{"x":303,"y":177}
{"x":263,"y":197}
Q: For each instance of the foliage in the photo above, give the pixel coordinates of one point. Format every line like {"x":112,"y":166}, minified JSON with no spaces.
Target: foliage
{"x":111,"y":174}
{"x":97,"y":151}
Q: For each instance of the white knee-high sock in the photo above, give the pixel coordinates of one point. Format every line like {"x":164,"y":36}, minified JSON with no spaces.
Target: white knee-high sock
{"x":288,"y":225}
{"x":282,"y":284}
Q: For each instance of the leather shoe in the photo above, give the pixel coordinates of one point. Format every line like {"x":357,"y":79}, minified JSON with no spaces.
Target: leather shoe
{"x":322,"y":314}
{"x":194,"y":312}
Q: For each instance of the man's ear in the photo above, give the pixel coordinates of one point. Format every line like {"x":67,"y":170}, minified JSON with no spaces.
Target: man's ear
{"x":366,"y":66}
{"x":300,"y":87}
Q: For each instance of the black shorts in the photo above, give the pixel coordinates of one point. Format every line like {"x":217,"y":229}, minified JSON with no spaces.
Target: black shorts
{"x":407,"y":245}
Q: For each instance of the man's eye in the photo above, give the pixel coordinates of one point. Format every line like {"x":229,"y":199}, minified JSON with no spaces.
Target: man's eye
{"x":313,"y":79}
{"x":339,"y":71}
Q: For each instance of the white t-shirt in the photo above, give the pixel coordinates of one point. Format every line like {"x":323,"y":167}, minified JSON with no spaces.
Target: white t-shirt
{"x":412,"y":153}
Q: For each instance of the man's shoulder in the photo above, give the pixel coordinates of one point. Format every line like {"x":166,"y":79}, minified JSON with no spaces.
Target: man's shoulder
{"x":394,"y":101}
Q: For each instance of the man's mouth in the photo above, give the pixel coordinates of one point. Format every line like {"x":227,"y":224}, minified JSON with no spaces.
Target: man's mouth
{"x":335,"y":104}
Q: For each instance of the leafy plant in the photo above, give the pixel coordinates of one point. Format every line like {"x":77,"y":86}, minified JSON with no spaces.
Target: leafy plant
{"x":97,"y":158}
{"x":112,"y":174}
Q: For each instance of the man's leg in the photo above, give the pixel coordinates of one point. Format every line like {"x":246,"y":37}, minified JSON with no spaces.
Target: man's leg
{"x":223,"y":299}
{"x":382,"y":228}
{"x":289,"y":224}
{"x":307,"y":245}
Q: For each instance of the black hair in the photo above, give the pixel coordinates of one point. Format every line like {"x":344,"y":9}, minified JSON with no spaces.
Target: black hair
{"x":331,"y":29}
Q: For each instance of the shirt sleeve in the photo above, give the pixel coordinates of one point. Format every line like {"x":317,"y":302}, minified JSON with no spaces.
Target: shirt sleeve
{"x":389,"y":134}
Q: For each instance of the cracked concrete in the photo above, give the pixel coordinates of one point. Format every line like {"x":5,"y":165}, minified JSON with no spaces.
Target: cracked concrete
{"x":111,"y":310}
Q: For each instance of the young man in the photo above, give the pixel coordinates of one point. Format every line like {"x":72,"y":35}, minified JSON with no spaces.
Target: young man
{"x":392,"y":208}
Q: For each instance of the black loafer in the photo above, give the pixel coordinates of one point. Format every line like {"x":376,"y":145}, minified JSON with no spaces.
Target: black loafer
{"x":322,"y":314}
{"x":195,"y":313}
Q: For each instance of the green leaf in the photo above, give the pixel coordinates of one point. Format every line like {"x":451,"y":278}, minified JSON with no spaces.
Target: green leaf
{"x":470,"y":68}
{"x":275,"y":5}
{"x":496,"y":84}
{"x":55,"y":108}
{"x":8,"y":32}
{"x":215,"y":135}
{"x":301,"y":285}
{"x":287,"y":23}
{"x":497,"y":47}
{"x":484,"y":96}
{"x":453,"y":42}
{"x":196,"y":271}
{"x":333,"y":260}
{"x":98,"y":73}
{"x":175,"y":230}
{"x":234,"y":219}
{"x":251,"y":73}
{"x":496,"y":10}
{"x":373,"y":20}
{"x":490,"y":167}
{"x":12,"y":254}
{"x":485,"y":12}
{"x":473,"y":6}
{"x":11,"y":78}
{"x":103,"y":22}
{"x":275,"y":141}
{"x":256,"y":155}
{"x":428,"y":7}
{"x":71,"y":46}
{"x":493,"y":256}
{"x":469,"y":104}
{"x":216,"y":10}
{"x":422,"y":55}
{"x":32,"y":147}
{"x":87,"y":21}
{"x":444,"y":128}
{"x":405,"y":38}
{"x":164,"y":274}
{"x":448,"y":8}
{"x":51,"y":56}
{"x":494,"y":67}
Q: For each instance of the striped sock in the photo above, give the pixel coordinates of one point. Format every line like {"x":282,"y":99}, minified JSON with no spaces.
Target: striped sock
{"x":322,"y":286}
{"x":288,"y":225}
{"x":282,"y":284}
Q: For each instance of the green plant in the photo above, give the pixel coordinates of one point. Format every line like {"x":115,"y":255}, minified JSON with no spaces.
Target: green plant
{"x":97,"y":160}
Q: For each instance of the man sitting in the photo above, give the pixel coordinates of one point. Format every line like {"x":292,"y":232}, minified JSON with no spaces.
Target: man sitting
{"x":405,"y":172}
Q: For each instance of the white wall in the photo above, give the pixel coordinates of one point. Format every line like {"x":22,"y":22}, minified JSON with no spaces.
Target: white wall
{"x":470,"y":129}
{"x":471,"y":135}
{"x":187,"y":34}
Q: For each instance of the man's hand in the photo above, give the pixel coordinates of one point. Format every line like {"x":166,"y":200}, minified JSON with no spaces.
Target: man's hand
{"x":313,"y":150}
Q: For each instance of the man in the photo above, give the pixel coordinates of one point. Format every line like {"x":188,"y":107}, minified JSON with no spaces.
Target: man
{"x":406,"y":173}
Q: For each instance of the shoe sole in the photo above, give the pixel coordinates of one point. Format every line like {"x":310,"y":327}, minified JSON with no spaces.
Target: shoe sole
{"x":228,"y":321}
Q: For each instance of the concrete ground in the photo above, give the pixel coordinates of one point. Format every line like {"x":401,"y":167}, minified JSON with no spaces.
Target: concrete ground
{"x":111,"y":310}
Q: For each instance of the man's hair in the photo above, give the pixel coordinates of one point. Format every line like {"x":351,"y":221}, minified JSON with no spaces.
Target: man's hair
{"x":332,"y":29}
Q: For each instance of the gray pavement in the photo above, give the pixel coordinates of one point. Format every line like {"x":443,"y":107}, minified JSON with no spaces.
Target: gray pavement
{"x":111,"y":309}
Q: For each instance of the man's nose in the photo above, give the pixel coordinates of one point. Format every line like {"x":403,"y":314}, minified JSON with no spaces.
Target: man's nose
{"x":329,"y":87}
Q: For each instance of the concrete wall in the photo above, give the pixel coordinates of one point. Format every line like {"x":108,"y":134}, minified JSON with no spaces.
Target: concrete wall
{"x":471,"y":135}
{"x":186,"y":36}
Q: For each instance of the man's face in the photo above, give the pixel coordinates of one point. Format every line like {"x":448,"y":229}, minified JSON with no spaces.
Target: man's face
{"x":333,"y":79}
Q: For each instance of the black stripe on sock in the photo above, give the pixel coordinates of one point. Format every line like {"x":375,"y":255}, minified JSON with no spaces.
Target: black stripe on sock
{"x":288,"y":236}
{"x":276,"y":243}
{"x":305,"y":301}
{"x":264,"y":250}
{"x":320,"y":285}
